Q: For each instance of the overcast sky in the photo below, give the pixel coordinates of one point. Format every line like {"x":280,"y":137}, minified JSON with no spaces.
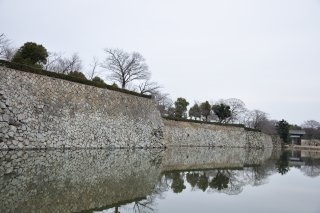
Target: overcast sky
{"x":264,"y":52}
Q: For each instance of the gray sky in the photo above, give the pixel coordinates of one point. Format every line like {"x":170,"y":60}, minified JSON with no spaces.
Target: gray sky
{"x":264,"y":52}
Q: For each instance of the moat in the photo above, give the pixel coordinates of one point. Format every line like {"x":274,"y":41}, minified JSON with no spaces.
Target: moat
{"x":160,"y":180}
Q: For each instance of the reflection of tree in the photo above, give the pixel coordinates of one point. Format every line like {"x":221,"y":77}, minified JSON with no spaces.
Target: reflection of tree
{"x":203,"y":182}
{"x":260,"y":174}
{"x":144,"y":205}
{"x":283,"y":163}
{"x":177,"y":184}
{"x":192,"y":178}
{"x":220,"y":181}
{"x":312,"y":167}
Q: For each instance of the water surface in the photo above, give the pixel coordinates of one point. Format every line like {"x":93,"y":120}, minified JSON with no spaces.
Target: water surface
{"x":171,"y":180}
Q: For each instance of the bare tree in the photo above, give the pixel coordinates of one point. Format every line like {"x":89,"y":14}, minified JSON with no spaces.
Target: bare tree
{"x":164,"y":103}
{"x":255,"y":119}
{"x":65,"y":65}
{"x":312,"y":129}
{"x":93,"y":67}
{"x":269,"y":127}
{"x":52,"y":61}
{"x":125,"y":67}
{"x":311,"y":124}
{"x":237,"y":108}
{"x":148,"y":87}
{"x":6,"y":51}
{"x":72,"y":64}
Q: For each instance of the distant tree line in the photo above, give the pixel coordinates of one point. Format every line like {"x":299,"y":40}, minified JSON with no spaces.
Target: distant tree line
{"x":312,"y":129}
{"x":229,"y":111}
{"x":233,"y":111}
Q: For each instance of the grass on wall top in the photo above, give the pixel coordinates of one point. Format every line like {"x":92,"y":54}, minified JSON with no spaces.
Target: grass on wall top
{"x":25,"y":68}
{"x":207,"y":122}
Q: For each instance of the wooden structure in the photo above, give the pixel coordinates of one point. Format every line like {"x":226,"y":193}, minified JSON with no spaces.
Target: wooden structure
{"x":295,"y":136}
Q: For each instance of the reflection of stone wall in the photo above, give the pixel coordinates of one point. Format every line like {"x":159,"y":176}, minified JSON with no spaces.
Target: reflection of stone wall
{"x":185,"y":158}
{"x":73,"y":181}
{"x":315,"y":154}
{"x":313,"y":142}
{"x":40,"y":112}
{"x":276,"y":141}
{"x":79,"y":180}
{"x":194,"y":134}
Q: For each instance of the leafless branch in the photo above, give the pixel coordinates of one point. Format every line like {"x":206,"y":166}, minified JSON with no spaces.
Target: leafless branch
{"x":52,"y":59}
{"x":148,"y":87}
{"x":93,"y":65}
{"x":255,"y":119}
{"x":6,"y":51}
{"x":125,"y":67}
{"x":65,"y":65}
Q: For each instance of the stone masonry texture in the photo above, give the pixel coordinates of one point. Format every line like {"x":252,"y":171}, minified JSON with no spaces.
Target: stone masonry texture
{"x":193,"y":134}
{"x":40,"y":112}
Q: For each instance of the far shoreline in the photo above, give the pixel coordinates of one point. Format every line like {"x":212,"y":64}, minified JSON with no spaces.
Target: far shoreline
{"x":298,"y":147}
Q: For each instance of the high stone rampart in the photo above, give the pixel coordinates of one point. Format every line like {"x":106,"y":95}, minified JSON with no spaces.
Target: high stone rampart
{"x":179,"y":133}
{"x":42,"y":112}
{"x":38,"y":111}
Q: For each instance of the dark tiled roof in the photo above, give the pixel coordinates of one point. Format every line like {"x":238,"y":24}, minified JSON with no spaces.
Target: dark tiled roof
{"x":297,"y":132}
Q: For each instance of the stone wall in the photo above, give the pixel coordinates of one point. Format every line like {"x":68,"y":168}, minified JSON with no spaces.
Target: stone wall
{"x":195,"y":134}
{"x":42,"y":112}
{"x":313,"y":142}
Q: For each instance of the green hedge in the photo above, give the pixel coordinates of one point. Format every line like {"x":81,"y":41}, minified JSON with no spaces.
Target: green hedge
{"x":25,"y":68}
{"x":252,"y":130}
{"x":205,"y":122}
{"x":201,"y":122}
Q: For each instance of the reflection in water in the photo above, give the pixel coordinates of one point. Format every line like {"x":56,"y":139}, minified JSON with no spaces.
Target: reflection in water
{"x":220,"y":181}
{"x":132,"y":180}
{"x":283,"y":163}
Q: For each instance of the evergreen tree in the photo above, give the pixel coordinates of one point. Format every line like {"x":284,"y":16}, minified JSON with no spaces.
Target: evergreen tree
{"x":283,"y":130}
{"x":98,"y":80}
{"x":78,"y":75}
{"x":205,"y":109}
{"x":181,"y":107}
{"x":222,"y":111}
{"x":31,"y":54}
{"x":195,"y":112}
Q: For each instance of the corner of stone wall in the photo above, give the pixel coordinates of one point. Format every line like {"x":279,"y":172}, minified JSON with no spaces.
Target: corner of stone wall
{"x":276,"y":141}
{"x":258,"y":140}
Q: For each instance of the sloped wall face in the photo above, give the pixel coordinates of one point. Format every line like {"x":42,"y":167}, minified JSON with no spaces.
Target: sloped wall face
{"x":42,"y":112}
{"x":194,"y":134}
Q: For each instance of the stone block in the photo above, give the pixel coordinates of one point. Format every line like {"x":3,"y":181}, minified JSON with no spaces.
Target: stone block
{"x":20,"y":145}
{"x":5,"y":117}
{"x":2,"y":105}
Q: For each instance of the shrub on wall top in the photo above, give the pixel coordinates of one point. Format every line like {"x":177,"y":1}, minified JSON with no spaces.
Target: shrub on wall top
{"x":205,"y":122}
{"x":29,"y":69}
